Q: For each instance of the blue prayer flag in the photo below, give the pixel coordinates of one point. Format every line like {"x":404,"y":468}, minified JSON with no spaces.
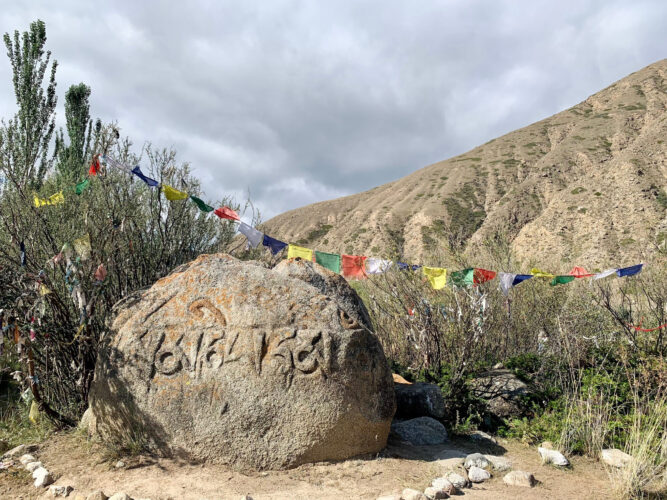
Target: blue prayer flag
{"x":403,"y":266}
{"x":151,"y":182}
{"x":629,"y":271}
{"x":274,"y":245}
{"x":520,"y":278}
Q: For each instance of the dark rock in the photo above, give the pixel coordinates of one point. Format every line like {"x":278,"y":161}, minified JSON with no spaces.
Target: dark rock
{"x":503,"y":391}
{"x":419,"y":400}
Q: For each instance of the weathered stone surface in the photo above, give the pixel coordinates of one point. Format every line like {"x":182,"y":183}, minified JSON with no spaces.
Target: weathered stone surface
{"x":392,"y":496}
{"x":433,"y":493}
{"x":553,"y":457}
{"x":31,"y":466}
{"x":519,"y":478}
{"x":21,"y":449}
{"x":483,"y":438}
{"x":120,"y":496}
{"x":230,"y":362}
{"x":478,"y":475}
{"x":615,"y":458}
{"x":457,"y":480}
{"x":97,"y":495}
{"x":420,"y":431}
{"x":42,"y":477}
{"x":419,"y":400}
{"x":411,"y":494}
{"x":58,"y":491}
{"x":503,"y":392}
{"x":499,"y":463}
{"x":476,"y":460}
{"x":26,"y":459}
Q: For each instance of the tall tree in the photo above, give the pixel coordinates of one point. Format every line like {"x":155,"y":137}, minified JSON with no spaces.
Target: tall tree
{"x":72,"y":158}
{"x":25,"y":139}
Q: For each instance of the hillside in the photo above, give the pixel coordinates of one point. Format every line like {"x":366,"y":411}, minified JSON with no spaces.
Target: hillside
{"x":586,"y":186}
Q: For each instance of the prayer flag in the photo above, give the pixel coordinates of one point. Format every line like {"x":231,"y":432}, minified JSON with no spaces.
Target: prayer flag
{"x":22,"y":248}
{"x":200,"y":203}
{"x":44,"y":290}
{"x":354,"y":266}
{"x":461,"y":278}
{"x":54,"y":199}
{"x":254,"y":236}
{"x":294,"y":252}
{"x":151,"y":182}
{"x":100,"y":273}
{"x":173,"y":194}
{"x":81,"y":186}
{"x":226,"y":213}
{"x":116,"y":164}
{"x":561,"y":280}
{"x":276,"y":246}
{"x":541,"y":274}
{"x":604,"y":274}
{"x":437,"y":276}
{"x":519,"y":278}
{"x":82,"y":246}
{"x":579,"y":272}
{"x":94,"y":166}
{"x":377,"y":266}
{"x":629,"y":271}
{"x":404,"y":267}
{"x":482,"y":276}
{"x":329,"y":260}
{"x":509,"y":280}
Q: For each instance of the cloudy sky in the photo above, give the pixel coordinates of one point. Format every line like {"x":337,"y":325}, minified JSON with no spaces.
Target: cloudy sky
{"x":301,"y":101}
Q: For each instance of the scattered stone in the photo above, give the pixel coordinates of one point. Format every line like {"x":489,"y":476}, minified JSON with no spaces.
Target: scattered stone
{"x":26,"y":459}
{"x":419,"y":400}
{"x":31,"y":466}
{"x":433,"y":493}
{"x":410,"y":494}
{"x":21,"y":449}
{"x":246,"y":497}
{"x":97,"y":495}
{"x":393,"y":496}
{"x":60,"y":491}
{"x":553,"y":457}
{"x":119,"y":465}
{"x":615,"y":458}
{"x":323,"y":391}
{"x":444,"y":484}
{"x":42,"y":477}
{"x":478,"y":475}
{"x":457,"y":480}
{"x":420,"y":431}
{"x":120,"y":496}
{"x":519,"y":478}
{"x":476,"y":460}
{"x":483,"y":437}
{"x":498,"y":366}
{"x":503,"y":392}
{"x":499,"y":464}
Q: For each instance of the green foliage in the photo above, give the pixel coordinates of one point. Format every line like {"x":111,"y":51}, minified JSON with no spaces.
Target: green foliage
{"x":578,"y":190}
{"x":316,"y":234}
{"x":72,"y":158}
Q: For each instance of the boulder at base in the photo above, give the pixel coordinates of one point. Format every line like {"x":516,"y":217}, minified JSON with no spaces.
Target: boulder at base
{"x":503,"y":391}
{"x":231,"y":362}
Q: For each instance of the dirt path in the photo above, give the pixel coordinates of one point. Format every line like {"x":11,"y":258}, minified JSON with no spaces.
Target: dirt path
{"x":81,"y":465}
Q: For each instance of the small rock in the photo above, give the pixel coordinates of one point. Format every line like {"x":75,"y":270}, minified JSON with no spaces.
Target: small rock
{"x":519,"y":478}
{"x":444,"y":484}
{"x":97,"y":495}
{"x":476,"y":460}
{"x":553,"y":457}
{"x":478,"y":475}
{"x":499,"y":464}
{"x":457,"y":480}
{"x":615,"y":458}
{"x":483,"y":437}
{"x":60,"y":491}
{"x":420,"y":431}
{"x":15,"y":452}
{"x":410,"y":494}
{"x":498,"y":366}
{"x":30,"y":467}
{"x":26,"y":459}
{"x":120,"y":496}
{"x":42,"y":477}
{"x":119,"y":465}
{"x":433,"y":493}
{"x":246,"y":497}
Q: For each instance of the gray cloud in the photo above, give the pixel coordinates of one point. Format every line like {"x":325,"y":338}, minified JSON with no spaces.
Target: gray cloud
{"x":302,"y":101}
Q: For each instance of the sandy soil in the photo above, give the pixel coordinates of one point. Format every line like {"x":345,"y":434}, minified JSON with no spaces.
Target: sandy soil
{"x":81,"y":465}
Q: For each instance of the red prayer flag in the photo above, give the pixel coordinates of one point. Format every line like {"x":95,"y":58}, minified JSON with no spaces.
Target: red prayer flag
{"x":100,"y":273}
{"x":95,"y":166}
{"x":354,"y":266}
{"x":226,"y":213}
{"x":580,"y":272}
{"x":482,"y":276}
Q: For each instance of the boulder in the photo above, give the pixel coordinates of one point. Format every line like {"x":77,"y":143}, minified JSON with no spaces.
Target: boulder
{"x":42,"y":477}
{"x":478,"y":475}
{"x":419,"y":400}
{"x":457,"y":480}
{"x":411,"y":494}
{"x":60,"y":491}
{"x":519,"y":478}
{"x":31,"y":466}
{"x":615,"y":458}
{"x":433,"y":493}
{"x":97,"y":495}
{"x":476,"y":460}
{"x":230,"y":362}
{"x":444,"y":484}
{"x":420,"y":431}
{"x":553,"y":457}
{"x":503,"y":392}
{"x":499,"y":464}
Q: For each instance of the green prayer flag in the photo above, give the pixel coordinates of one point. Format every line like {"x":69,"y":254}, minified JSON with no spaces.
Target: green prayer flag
{"x":561,"y":280}
{"x":81,"y":186}
{"x":200,"y":203}
{"x":462,"y":278}
{"x":329,"y":260}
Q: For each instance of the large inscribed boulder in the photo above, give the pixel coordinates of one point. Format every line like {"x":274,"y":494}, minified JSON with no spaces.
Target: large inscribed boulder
{"x":231,"y":362}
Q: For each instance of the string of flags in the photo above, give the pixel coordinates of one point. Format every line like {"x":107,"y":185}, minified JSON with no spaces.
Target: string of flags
{"x":350,"y":266}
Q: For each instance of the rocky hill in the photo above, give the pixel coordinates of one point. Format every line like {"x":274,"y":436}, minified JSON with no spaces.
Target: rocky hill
{"x":586,"y":186}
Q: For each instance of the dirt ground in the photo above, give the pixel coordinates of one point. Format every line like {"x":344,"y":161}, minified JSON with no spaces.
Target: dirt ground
{"x":80,"y":464}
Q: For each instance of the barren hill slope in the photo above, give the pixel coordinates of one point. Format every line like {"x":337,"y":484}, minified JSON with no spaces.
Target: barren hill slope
{"x":586,"y":186}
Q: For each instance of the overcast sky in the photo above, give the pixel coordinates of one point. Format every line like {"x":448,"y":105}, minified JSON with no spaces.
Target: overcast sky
{"x":301,"y":101}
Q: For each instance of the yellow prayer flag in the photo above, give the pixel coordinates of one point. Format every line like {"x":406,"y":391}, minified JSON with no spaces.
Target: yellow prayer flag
{"x":294,"y":251}
{"x":54,"y":199}
{"x":173,"y":194}
{"x":82,"y":246}
{"x":541,"y":274}
{"x":437,"y":276}
{"x":44,"y":290}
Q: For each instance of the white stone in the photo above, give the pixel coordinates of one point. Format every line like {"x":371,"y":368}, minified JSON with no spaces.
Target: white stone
{"x":615,"y":458}
{"x":31,"y":466}
{"x":478,"y":475}
{"x":499,"y":464}
{"x":442,"y":483}
{"x":42,"y":477}
{"x":410,"y":494}
{"x":119,"y":465}
{"x":60,"y":491}
{"x":97,"y":495}
{"x":519,"y":478}
{"x":120,"y":496}
{"x":553,"y":457}
{"x":26,"y":459}
{"x":433,"y":493}
{"x":457,"y":480}
{"x":476,"y":460}
{"x":15,"y":452}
